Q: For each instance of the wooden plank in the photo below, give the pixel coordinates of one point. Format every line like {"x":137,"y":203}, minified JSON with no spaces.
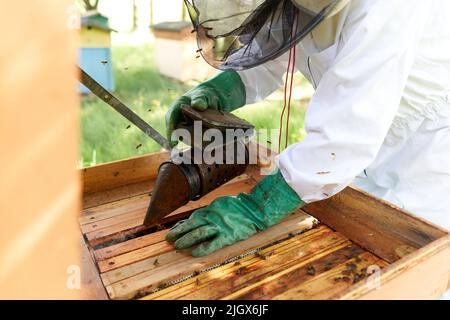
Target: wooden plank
{"x":299,"y":285}
{"x":292,"y":223}
{"x":153,"y":250}
{"x":136,"y":267}
{"x":123,"y":206}
{"x":136,"y":214}
{"x":422,"y":275}
{"x":182,"y":264}
{"x":251,"y":270}
{"x":98,"y":193}
{"x":119,"y":193}
{"x":130,"y":245}
{"x":147,"y":265}
{"x":377,"y":226}
{"x":158,"y":248}
{"x":112,"y":209}
{"x":122,"y":179}
{"x":115,"y":174}
{"x":117,"y":230}
{"x":91,"y":285}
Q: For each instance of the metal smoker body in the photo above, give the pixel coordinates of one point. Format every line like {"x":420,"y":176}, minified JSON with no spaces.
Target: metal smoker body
{"x":184,"y":178}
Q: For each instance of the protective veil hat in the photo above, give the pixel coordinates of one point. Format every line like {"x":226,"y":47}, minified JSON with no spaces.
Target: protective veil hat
{"x":242,"y":34}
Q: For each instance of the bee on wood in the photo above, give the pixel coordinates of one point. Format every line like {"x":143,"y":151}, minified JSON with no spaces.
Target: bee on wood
{"x":351,"y":267}
{"x":240,"y":270}
{"x":260,"y":255}
{"x":311,"y":271}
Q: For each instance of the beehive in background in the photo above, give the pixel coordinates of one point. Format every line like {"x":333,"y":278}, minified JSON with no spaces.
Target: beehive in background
{"x":176,"y":52}
{"x":95,"y":52}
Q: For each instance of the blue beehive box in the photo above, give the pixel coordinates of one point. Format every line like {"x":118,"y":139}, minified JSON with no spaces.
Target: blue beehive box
{"x":95,"y":52}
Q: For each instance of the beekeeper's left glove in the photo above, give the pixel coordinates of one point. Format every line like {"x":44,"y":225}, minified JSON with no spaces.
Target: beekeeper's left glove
{"x":231,"y":219}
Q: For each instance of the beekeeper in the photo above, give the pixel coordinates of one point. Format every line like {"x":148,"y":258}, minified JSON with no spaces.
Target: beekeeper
{"x":380,"y":115}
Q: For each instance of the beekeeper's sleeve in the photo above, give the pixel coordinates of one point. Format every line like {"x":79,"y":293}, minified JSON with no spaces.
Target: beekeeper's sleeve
{"x":357,"y":98}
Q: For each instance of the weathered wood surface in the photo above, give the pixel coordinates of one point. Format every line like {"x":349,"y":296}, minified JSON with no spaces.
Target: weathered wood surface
{"x":293,"y":260}
{"x":138,"y":277}
{"x":422,"y":275}
{"x":316,"y":264}
{"x":113,"y":220}
{"x":92,"y":200}
{"x":377,"y":226}
{"x":91,"y":284}
{"x":120,"y":173}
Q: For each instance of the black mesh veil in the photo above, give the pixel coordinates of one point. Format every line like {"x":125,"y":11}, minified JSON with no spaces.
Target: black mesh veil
{"x":241,"y":34}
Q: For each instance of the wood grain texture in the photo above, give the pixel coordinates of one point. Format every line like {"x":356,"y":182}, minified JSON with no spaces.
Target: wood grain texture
{"x":166,"y":259}
{"x":421,"y":275}
{"x":95,"y":199}
{"x":327,"y":283}
{"x":327,"y":262}
{"x":91,"y":284}
{"x":130,"y":215}
{"x":176,"y":264}
{"x":130,"y":257}
{"x":112,"y":209}
{"x":313,"y":265}
{"x":251,"y":271}
{"x":130,"y":245}
{"x":379,"y":227}
{"x":115,"y":174}
{"x":118,"y":225}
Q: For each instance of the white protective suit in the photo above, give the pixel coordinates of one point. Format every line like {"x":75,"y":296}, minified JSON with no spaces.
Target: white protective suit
{"x":381,"y":109}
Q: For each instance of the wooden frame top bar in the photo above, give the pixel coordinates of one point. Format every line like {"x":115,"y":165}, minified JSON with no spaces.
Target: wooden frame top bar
{"x":132,"y":265}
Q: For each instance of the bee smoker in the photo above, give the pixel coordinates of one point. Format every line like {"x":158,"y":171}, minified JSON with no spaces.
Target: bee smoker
{"x":190,"y":175}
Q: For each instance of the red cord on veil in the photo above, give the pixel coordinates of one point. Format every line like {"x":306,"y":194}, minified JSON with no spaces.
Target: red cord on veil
{"x":287,"y":100}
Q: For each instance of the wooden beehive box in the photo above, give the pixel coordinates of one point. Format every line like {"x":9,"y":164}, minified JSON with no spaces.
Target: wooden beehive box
{"x":362,"y":248}
{"x":95,"y":51}
{"x":176,"y":52}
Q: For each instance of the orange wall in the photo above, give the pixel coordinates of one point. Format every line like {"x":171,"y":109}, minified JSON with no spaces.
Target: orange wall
{"x":39,"y":184}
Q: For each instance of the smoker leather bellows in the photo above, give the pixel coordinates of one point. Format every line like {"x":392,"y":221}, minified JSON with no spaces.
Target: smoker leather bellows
{"x":205,"y":165}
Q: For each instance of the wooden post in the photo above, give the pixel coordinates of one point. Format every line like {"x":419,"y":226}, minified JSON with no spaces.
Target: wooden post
{"x":39,"y":183}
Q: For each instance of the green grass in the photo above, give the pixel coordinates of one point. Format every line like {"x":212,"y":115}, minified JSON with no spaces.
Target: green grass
{"x":105,"y":134}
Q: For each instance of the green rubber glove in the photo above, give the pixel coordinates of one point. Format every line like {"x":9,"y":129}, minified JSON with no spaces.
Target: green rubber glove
{"x":230,"y":219}
{"x":224,"y":92}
